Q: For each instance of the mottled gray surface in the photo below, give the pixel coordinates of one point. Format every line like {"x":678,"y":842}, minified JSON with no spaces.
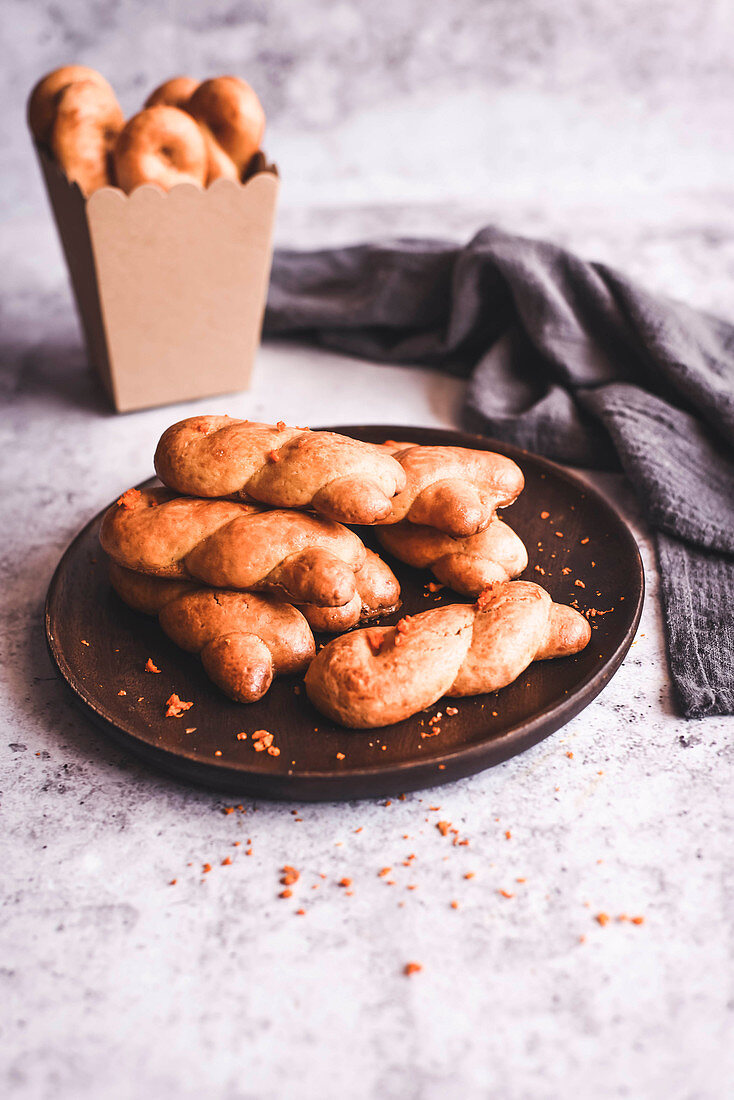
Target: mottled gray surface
{"x":608,"y":128}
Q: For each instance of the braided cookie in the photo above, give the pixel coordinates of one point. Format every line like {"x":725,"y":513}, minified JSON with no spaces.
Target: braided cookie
{"x":467,"y":565}
{"x":160,"y":145}
{"x":175,"y":92}
{"x":43,"y":99}
{"x":378,"y":594}
{"x":216,"y":456}
{"x":87,"y":122}
{"x":233,"y":123}
{"x":244,"y":640}
{"x":381,"y":675}
{"x":299,"y":557}
{"x":454,"y":489}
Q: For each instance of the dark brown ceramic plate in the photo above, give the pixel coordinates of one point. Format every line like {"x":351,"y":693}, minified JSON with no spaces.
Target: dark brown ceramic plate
{"x":100,"y":648}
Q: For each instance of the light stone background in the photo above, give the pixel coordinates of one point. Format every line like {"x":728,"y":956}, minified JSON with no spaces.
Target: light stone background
{"x":606,"y":127}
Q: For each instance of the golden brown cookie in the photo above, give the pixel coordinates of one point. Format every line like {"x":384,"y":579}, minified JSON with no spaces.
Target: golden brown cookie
{"x":233,"y":122}
{"x":217,"y":456}
{"x":302,"y":558}
{"x":380,"y":675}
{"x":44,"y":97}
{"x":468,"y":564}
{"x":87,"y":122}
{"x":160,"y":145}
{"x":244,"y":640}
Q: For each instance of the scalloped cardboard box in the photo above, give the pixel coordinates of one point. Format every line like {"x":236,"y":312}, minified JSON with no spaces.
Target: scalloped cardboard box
{"x":170,"y":287}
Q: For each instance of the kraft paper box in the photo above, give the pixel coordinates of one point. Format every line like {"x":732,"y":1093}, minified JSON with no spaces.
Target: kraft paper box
{"x":170,"y":287}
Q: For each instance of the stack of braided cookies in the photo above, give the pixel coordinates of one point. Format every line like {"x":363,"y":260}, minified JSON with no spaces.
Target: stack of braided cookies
{"x":249,"y":547}
{"x":187,"y":132}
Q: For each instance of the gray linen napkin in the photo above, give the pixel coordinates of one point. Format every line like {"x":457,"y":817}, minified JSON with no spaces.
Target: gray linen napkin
{"x":573,"y":360}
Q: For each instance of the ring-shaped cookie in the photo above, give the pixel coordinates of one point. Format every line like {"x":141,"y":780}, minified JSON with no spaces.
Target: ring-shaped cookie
{"x":160,"y":145}
{"x":232,"y":118}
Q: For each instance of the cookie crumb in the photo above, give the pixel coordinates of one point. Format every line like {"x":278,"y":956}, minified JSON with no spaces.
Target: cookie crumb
{"x":290,"y":875}
{"x":261,"y":740}
{"x":129,"y":499}
{"x":175,"y":707}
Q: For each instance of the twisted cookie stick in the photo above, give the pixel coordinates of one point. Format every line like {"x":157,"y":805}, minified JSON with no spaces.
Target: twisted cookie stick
{"x":451,"y":488}
{"x":381,"y":675}
{"x":301,"y":558}
{"x":244,"y":640}
{"x":467,"y":565}
{"x":378,"y":594}
{"x":216,"y":456}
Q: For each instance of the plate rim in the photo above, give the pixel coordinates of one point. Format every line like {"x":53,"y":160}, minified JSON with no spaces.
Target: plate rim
{"x":529,"y":731}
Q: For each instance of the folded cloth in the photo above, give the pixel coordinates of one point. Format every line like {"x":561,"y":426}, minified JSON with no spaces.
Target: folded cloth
{"x":573,"y":360}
